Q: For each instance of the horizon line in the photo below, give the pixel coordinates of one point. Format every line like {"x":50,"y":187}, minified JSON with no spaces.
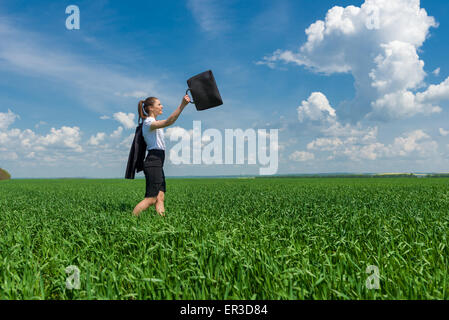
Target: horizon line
{"x":247,"y":176}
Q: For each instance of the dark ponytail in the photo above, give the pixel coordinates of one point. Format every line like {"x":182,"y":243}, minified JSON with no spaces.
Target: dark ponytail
{"x":140,"y":110}
{"x":143,"y":108}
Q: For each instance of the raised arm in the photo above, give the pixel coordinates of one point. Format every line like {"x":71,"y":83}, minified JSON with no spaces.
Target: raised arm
{"x":173,"y":117}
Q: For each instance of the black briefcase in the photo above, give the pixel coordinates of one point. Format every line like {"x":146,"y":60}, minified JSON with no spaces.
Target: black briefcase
{"x":204,"y":91}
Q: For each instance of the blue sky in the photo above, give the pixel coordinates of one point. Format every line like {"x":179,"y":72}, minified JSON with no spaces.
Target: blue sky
{"x":355,"y":100}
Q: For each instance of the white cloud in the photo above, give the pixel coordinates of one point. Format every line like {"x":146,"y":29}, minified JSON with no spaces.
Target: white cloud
{"x":62,"y":148}
{"x":6,"y":119}
{"x":355,"y":142}
{"x":316,"y":108}
{"x":95,"y":140}
{"x":443,"y":132}
{"x":397,"y":68}
{"x":286,"y":56}
{"x":302,"y":156}
{"x":383,"y":58}
{"x":325,"y":144}
{"x":435,"y":93}
{"x":415,"y":141}
{"x":411,"y":144}
{"x":31,"y":155}
{"x":126,"y":143}
{"x":401,"y":104}
{"x":370,"y":152}
{"x":65,"y":137}
{"x":436,"y":72}
{"x":117,"y":133}
{"x":351,"y":131}
{"x":127,"y":120}
{"x":105,"y":117}
{"x":333,"y":43}
{"x":405,"y":103}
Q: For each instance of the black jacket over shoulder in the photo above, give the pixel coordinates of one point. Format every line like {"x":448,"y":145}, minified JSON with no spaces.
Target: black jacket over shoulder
{"x":136,"y":154}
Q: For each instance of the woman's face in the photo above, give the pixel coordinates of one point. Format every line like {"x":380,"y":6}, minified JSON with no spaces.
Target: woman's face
{"x":157,"y":107}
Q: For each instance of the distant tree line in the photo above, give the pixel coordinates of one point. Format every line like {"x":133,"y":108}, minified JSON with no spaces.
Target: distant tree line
{"x":376,"y":176}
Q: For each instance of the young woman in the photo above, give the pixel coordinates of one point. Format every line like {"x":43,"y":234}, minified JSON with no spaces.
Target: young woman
{"x":153,"y":134}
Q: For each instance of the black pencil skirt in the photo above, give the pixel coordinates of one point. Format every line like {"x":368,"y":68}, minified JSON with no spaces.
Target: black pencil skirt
{"x":154,"y":173}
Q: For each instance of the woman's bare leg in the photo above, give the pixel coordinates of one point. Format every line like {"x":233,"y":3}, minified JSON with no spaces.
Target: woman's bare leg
{"x":160,"y":203}
{"x":143,"y":205}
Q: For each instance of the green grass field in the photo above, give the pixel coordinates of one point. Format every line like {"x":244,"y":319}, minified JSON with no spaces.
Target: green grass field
{"x":271,"y":238}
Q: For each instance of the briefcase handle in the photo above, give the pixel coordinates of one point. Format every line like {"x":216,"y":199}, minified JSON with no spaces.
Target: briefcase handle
{"x":191,"y":100}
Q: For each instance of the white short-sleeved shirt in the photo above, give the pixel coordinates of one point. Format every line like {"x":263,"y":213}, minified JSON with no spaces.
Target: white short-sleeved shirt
{"x":153,"y":138}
